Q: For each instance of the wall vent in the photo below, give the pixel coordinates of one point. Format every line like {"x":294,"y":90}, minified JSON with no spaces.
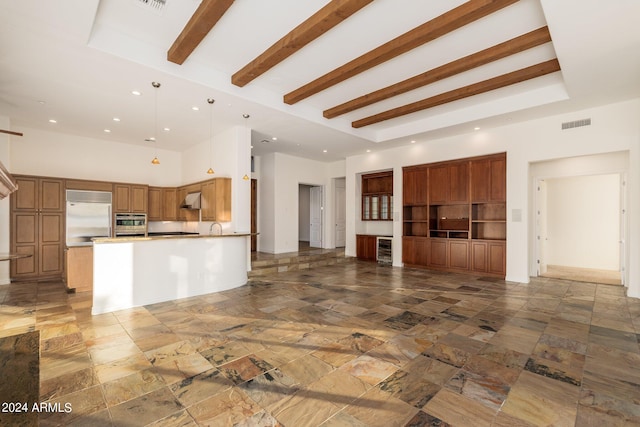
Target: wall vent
{"x":576,"y":124}
{"x":154,"y":5}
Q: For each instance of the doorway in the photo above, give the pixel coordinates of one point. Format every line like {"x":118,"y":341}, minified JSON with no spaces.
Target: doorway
{"x":340,"y":213}
{"x":310,"y":209}
{"x":580,"y":225}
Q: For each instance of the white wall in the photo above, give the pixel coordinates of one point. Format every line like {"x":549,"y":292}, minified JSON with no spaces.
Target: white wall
{"x":280,"y":176}
{"x":54,"y":154}
{"x":615,"y":127}
{"x":583,"y":226}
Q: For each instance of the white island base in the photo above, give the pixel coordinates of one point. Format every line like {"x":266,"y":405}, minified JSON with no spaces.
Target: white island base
{"x":139,"y":271}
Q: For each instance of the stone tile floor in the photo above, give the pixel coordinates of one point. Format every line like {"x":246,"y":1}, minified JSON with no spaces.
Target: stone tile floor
{"x":352,"y":344}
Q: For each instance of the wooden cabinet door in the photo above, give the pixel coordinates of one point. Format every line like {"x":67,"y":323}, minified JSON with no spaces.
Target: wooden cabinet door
{"x":458,"y":254}
{"x":459,"y":183}
{"x":479,"y":257}
{"x":121,"y":198}
{"x":26,"y":197}
{"x":414,"y":187}
{"x":437,"y":253}
{"x":409,"y":254}
{"x":497,"y":257}
{"x":498,"y":191}
{"x":366,"y":247}
{"x":439,"y":185}
{"x":480,"y":180}
{"x":25,"y":241}
{"x":208,"y":200}
{"x":489,"y":180}
{"x":154,"y":204}
{"x":51,"y":195}
{"x":169,"y":204}
{"x":51,"y":244}
{"x":415,"y":251}
{"x":223,"y":199}
{"x":139,"y":198}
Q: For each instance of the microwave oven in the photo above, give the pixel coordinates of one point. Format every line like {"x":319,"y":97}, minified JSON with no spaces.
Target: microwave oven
{"x":130,"y":224}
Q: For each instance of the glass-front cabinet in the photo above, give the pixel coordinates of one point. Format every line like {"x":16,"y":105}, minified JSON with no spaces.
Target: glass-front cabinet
{"x":377,"y":196}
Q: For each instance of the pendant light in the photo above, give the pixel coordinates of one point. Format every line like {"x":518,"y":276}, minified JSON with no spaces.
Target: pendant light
{"x":155,"y":160}
{"x":210,"y":101}
{"x":246,"y":117}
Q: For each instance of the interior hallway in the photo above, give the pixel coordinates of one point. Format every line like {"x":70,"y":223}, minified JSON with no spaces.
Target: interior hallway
{"x":348,"y":344}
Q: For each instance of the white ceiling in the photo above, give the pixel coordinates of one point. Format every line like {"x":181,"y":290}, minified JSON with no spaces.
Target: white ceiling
{"x":77,"y":61}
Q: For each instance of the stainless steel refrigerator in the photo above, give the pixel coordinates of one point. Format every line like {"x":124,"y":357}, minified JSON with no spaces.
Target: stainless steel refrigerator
{"x":88,"y":216}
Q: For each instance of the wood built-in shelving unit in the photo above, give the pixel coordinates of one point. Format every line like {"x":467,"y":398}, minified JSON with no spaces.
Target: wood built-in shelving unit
{"x":377,"y":196}
{"x":454,"y":215}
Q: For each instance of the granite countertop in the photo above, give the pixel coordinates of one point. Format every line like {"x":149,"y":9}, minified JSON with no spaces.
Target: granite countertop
{"x":166,"y":236}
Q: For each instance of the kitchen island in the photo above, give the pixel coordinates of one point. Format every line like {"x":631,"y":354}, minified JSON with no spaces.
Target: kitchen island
{"x":132,"y":272}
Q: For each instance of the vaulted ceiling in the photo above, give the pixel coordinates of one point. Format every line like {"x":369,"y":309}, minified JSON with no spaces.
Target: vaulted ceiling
{"x":341,"y":76}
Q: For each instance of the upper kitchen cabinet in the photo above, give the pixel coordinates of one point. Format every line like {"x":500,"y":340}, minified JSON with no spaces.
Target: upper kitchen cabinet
{"x":130,"y":198}
{"x":377,"y":196}
{"x":39,"y":194}
{"x":154,"y":212}
{"x":169,"y":204}
{"x":37,"y":227}
{"x":185,"y":214}
{"x":414,"y":186}
{"x":488,"y":179}
{"x":216,"y":200}
{"x":449,"y":183}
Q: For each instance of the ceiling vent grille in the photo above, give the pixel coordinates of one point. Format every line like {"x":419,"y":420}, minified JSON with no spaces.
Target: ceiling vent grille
{"x":154,"y":5}
{"x":576,"y":124}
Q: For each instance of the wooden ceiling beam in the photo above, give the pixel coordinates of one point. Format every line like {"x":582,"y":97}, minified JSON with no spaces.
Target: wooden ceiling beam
{"x":202,"y":21}
{"x":508,"y":79}
{"x":464,"y":14}
{"x":319,"y":23}
{"x":499,"y":51}
{"x":10,"y":132}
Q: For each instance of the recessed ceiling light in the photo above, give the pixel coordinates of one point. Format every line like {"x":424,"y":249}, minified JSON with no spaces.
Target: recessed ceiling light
{"x":413,"y":141}
{"x":107,"y":130}
{"x":476,"y":128}
{"x":41,"y":102}
{"x":53,"y":121}
{"x":324,"y":151}
{"x":166,"y":129}
{"x":136,"y":92}
{"x":150,"y":139}
{"x":274,"y":138}
{"x":194,"y":108}
{"x":252,"y":147}
{"x":368,"y":151}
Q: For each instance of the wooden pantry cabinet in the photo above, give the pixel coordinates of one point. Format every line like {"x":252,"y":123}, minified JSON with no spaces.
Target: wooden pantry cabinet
{"x":454,"y":215}
{"x":37,"y":228}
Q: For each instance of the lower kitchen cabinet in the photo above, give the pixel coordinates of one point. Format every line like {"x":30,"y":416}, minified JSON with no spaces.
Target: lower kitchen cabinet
{"x":41,"y":235}
{"x":79,"y":271}
{"x":366,"y":247}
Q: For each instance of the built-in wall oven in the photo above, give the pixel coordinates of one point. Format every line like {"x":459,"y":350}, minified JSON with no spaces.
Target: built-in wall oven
{"x":130,"y":224}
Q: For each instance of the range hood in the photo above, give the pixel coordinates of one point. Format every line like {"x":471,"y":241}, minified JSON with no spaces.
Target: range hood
{"x":7,"y":184}
{"x":192,"y":201}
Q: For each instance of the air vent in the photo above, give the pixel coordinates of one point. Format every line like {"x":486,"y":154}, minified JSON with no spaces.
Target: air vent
{"x":154,"y":5}
{"x":576,"y":124}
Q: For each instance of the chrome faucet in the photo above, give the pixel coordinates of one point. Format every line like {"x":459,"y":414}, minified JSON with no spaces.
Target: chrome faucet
{"x":211,"y":227}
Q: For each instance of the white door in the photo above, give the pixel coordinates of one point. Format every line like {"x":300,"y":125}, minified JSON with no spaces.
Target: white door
{"x":341,"y":214}
{"x":541,"y":218}
{"x":315,"y":217}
